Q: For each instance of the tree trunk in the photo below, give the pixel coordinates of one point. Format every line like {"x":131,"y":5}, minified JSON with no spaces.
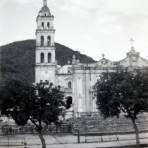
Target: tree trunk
{"x":42,"y":140}
{"x":136,"y":133}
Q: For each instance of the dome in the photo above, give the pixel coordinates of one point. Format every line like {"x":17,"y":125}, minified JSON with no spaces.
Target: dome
{"x":44,"y":11}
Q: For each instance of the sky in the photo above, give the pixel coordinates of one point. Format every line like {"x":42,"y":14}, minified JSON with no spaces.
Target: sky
{"x":93,"y":27}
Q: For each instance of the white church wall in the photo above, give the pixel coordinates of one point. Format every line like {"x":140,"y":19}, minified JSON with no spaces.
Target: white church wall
{"x":45,"y":73}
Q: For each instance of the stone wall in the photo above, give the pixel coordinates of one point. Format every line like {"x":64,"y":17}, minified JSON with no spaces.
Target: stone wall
{"x":97,"y":124}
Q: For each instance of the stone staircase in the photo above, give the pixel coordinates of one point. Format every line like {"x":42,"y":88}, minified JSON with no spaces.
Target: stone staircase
{"x":97,"y":124}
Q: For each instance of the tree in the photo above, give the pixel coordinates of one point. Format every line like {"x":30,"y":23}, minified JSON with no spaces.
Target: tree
{"x":42,"y":104}
{"x":123,"y":92}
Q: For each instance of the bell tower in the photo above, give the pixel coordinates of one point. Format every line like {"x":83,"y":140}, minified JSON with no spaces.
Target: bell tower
{"x":45,"y":63}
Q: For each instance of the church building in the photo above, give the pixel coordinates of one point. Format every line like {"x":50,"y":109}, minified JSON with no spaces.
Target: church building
{"x":76,"y":79}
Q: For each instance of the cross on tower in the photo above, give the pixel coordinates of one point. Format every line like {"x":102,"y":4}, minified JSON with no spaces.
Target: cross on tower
{"x":132,"y":42}
{"x":45,"y":2}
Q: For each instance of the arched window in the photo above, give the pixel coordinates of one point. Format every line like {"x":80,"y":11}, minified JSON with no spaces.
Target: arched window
{"x":48,"y":41}
{"x":43,"y":25}
{"x":42,"y":57}
{"x":49,"y":57}
{"x":42,"y":40}
{"x":48,"y":25}
{"x":69,"y":85}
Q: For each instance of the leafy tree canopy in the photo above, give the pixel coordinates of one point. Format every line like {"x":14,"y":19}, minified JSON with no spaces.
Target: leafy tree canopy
{"x":42,"y":104}
{"x":38,"y":103}
{"x":122,"y":92}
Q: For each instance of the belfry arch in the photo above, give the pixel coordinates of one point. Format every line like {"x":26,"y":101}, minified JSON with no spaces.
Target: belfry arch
{"x":49,"y":57}
{"x":42,"y":57}
{"x":42,"y":40}
{"x":48,"y":41}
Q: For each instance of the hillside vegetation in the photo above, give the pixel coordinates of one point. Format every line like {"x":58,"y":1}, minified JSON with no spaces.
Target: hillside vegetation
{"x":18,"y":59}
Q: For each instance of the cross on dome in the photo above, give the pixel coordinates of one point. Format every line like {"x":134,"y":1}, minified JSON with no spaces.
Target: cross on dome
{"x":132,"y":44}
{"x":103,"y":55}
{"x":132,"y":41}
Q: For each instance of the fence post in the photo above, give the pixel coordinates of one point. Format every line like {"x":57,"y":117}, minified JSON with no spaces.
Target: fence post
{"x":101,"y":139}
{"x":78,"y":136}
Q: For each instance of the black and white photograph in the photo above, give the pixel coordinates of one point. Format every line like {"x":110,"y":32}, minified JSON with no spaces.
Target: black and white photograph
{"x":73,"y":73}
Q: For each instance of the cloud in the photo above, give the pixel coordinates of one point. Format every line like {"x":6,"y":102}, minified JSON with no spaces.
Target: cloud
{"x":89,"y":4}
{"x":80,"y":8}
{"x":120,"y":17}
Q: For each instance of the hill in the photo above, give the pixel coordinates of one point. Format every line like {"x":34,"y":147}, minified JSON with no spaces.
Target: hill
{"x":18,"y":59}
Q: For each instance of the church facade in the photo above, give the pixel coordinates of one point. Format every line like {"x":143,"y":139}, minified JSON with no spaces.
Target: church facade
{"x":76,"y":79}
